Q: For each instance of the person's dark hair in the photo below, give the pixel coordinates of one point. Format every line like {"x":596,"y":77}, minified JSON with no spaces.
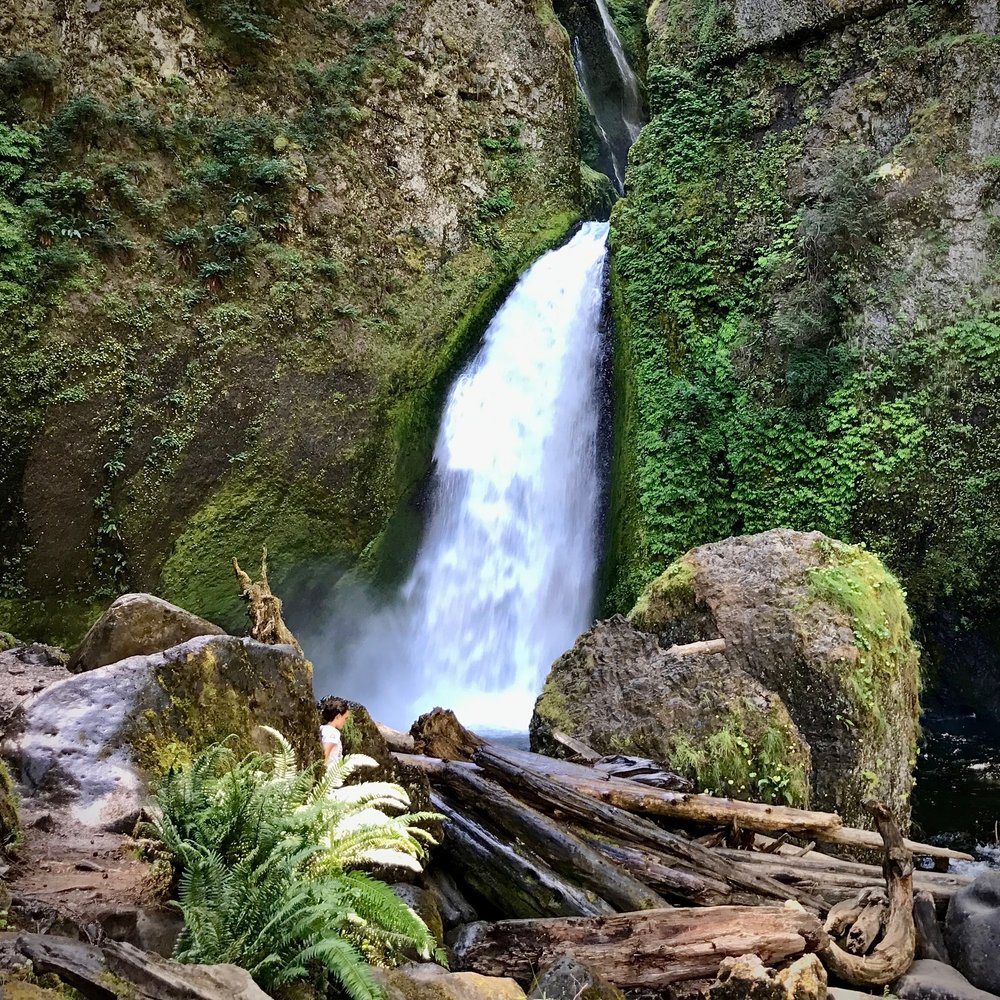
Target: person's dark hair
{"x":330,"y":708}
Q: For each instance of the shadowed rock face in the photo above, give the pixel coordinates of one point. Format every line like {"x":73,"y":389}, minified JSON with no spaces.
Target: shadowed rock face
{"x":91,"y":741}
{"x":816,"y":688}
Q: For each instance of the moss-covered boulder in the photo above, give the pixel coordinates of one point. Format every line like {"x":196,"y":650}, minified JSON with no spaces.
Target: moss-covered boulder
{"x":98,"y":737}
{"x":136,"y":624}
{"x":820,"y":626}
{"x":10,"y":821}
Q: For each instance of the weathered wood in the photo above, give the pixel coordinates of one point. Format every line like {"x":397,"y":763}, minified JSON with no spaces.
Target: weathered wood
{"x":395,"y":740}
{"x":510,"y":879}
{"x":643,"y":771}
{"x":868,"y":926}
{"x":264,"y":608}
{"x":893,"y":955}
{"x":560,"y":849}
{"x":438,"y":733}
{"x":869,"y":840}
{"x":653,"y":948}
{"x":577,"y":747}
{"x":705,"y":647}
{"x":678,"y":806}
{"x":676,"y":884}
{"x":836,"y":879}
{"x":623,"y":825}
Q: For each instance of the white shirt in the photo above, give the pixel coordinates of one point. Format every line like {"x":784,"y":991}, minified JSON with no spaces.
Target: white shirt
{"x":331,"y":734}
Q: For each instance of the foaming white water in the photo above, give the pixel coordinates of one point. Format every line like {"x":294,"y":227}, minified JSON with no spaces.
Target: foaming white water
{"x":504,"y":580}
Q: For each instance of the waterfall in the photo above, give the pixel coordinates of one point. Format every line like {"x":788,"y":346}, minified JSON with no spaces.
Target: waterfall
{"x":504,"y":580}
{"x":631,"y":110}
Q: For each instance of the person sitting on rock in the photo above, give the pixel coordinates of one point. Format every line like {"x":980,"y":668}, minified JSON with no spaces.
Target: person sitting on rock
{"x":334,"y":713}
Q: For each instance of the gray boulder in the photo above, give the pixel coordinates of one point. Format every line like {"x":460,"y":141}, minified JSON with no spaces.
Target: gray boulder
{"x":96,"y":738}
{"x":972,"y":931}
{"x":568,"y":979}
{"x":135,"y":625}
{"x":930,"y":980}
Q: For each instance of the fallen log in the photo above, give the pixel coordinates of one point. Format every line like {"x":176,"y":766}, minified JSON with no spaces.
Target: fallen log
{"x":870,"y":840}
{"x":930,"y":940}
{"x":509,"y":878}
{"x":705,"y":647}
{"x":576,"y":747}
{"x":264,"y":608}
{"x":560,"y":849}
{"x":893,"y":955}
{"x":679,"y":806}
{"x":653,"y":948}
{"x":835,"y":879}
{"x":642,"y":771}
{"x":624,"y":825}
{"x":676,"y":884}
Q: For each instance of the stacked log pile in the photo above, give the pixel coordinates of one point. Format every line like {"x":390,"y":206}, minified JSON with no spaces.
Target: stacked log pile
{"x":651,"y":883}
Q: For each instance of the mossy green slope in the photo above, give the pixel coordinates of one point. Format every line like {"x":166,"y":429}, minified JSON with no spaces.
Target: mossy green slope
{"x":806,"y":319}
{"x":243,"y":243}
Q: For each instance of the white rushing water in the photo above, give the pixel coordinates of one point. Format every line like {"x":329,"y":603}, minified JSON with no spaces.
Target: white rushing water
{"x":504,"y":579}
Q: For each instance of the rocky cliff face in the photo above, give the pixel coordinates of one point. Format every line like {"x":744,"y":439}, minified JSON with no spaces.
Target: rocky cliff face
{"x":806,"y":283}
{"x":814,"y":697}
{"x":244,"y":244}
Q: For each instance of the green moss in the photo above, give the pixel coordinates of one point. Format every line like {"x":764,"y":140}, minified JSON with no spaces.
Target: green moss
{"x":761,"y":763}
{"x":854,"y":581}
{"x":59,"y":621}
{"x":671,"y":596}
{"x":598,"y":195}
{"x":10,"y":820}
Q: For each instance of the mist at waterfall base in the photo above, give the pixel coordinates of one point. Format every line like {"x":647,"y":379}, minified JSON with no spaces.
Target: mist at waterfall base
{"x":504,"y":579}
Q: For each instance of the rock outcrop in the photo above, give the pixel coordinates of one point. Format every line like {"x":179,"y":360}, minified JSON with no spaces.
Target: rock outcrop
{"x":135,"y":625}
{"x":96,"y":737}
{"x":431,"y":982}
{"x":297,"y":216}
{"x":805,"y":286}
{"x":816,"y":686}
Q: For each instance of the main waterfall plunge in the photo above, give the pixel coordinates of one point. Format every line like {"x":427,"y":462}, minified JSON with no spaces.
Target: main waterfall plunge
{"x":504,"y":580}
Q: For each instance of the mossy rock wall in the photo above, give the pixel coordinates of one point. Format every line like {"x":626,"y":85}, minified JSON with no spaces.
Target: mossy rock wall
{"x":244,"y":246}
{"x":805,"y":284}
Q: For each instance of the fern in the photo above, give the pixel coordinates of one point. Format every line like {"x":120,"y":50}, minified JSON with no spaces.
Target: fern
{"x":268,"y":858}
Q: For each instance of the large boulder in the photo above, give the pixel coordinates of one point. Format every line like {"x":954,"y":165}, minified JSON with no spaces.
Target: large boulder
{"x":927,"y":979}
{"x":972,"y":931}
{"x":134,"y":625}
{"x":568,"y":979}
{"x":97,"y":737}
{"x":819,"y":672}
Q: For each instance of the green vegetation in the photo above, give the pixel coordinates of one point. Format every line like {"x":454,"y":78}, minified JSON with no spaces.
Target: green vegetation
{"x":10,"y":820}
{"x":765,"y":767}
{"x":267,"y":857}
{"x":220,"y":312}
{"x":780,"y":360}
{"x":854,"y":581}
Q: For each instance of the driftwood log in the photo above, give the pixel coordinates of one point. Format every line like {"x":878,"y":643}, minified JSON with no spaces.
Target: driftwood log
{"x":653,"y":948}
{"x":560,"y":849}
{"x":623,"y":825}
{"x":678,"y":806}
{"x":508,"y":877}
{"x":264,"y":608}
{"x":893,"y":955}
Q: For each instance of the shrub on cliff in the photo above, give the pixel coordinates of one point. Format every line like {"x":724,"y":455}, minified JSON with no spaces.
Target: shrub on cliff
{"x":267,"y":857}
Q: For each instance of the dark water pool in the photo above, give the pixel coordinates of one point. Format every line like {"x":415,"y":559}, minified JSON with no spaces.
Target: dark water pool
{"x":956,"y":801}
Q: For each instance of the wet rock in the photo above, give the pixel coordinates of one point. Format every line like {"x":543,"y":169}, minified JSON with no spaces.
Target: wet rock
{"x":95,"y":738}
{"x":972,"y":931}
{"x":431,"y":982}
{"x":568,"y":979}
{"x":135,"y":625}
{"x":930,"y":980}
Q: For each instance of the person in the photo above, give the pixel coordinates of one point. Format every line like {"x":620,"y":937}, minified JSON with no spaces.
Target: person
{"x":334,"y":713}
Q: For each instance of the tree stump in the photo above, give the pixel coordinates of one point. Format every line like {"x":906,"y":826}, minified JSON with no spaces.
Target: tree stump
{"x":264,"y":609}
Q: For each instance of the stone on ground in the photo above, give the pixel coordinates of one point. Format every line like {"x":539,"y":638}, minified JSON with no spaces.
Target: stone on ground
{"x":431,"y":982}
{"x":972,"y":931}
{"x":930,"y":980}
{"x":568,"y":979}
{"x":135,"y":625}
